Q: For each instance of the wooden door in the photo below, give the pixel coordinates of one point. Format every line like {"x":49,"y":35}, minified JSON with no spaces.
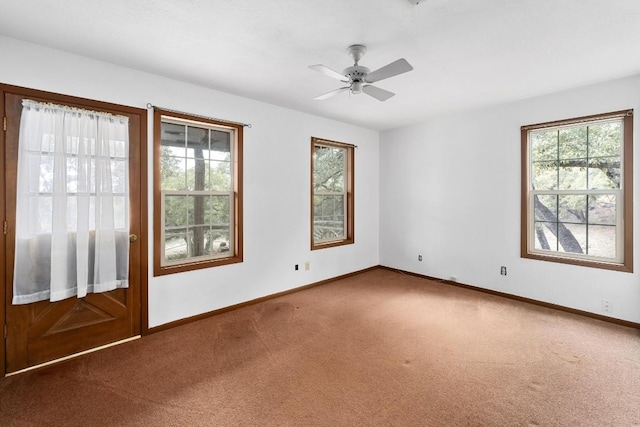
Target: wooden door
{"x":45,"y":331}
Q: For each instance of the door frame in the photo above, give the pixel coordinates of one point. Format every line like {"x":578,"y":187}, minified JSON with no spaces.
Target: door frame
{"x":143,"y":309}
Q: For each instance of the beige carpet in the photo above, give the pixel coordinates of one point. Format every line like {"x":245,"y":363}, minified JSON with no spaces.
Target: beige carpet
{"x":377,"y":349}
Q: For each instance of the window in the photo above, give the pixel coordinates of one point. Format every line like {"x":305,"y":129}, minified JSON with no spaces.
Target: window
{"x":197,"y":192}
{"x":72,"y":203}
{"x":577,"y":191}
{"x":331,"y":193}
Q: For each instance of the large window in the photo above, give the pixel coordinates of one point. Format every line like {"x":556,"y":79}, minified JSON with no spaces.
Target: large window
{"x":577,"y":191}
{"x":198,"y":193}
{"x":331,"y":193}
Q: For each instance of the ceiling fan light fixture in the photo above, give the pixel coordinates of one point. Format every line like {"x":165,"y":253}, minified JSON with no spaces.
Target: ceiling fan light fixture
{"x":356,"y":88}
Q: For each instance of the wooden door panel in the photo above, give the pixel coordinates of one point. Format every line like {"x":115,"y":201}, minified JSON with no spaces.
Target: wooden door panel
{"x":42,"y":315}
{"x":44,"y":331}
{"x":109,"y":302}
{"x":74,"y":314}
{"x":55,"y":346}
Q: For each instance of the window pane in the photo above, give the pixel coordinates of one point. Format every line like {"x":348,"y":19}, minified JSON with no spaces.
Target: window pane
{"x":545,"y":238}
{"x":73,"y":143}
{"x":605,"y":139}
{"x":328,"y":170}
{"x":175,"y":245}
{"x":45,"y":178}
{"x":197,"y":174}
{"x":572,"y":208}
{"x":72,"y":175}
{"x":48,"y":143}
{"x":604,"y":173}
{"x":572,"y":143}
{"x":198,"y":239}
{"x":572,"y":174}
{"x":220,"y":241}
{"x":602,"y":241}
{"x":118,"y":148}
{"x":118,"y":176}
{"x":191,"y":175}
{"x":219,"y":176}
{"x":217,"y":210}
{"x":195,"y":205}
{"x":602,"y":209}
{"x":92,"y":176}
{"x":544,"y":145}
{"x":544,"y":175}
{"x":172,"y":172}
{"x":173,"y":137}
{"x":175,"y":211}
{"x":220,"y":145}
{"x":572,"y":238}
{"x":329,"y":217}
{"x":546,"y":208}
{"x":197,"y":143}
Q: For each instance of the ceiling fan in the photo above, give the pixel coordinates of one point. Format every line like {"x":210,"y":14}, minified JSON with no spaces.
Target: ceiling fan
{"x":358,"y":77}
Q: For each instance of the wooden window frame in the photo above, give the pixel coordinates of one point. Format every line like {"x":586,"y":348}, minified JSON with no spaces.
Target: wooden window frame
{"x":236,"y":256}
{"x":626,"y":222}
{"x":349,"y":183}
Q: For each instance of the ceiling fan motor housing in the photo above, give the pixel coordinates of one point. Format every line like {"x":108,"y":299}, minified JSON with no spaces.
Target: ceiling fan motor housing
{"x":356,"y":74}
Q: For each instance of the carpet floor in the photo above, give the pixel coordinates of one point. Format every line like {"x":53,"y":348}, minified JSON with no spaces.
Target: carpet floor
{"x":380,"y":348}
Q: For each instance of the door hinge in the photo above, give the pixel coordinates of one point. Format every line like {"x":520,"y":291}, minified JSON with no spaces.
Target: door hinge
{"x":4,"y":228}
{"x":5,"y":331}
{"x":4,"y":123}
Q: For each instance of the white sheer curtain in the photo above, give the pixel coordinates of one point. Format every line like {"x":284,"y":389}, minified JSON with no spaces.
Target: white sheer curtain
{"x":72,"y":219}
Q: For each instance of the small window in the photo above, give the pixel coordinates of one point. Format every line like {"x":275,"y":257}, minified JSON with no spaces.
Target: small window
{"x":331,"y":193}
{"x":198,"y":193}
{"x":577,"y":191}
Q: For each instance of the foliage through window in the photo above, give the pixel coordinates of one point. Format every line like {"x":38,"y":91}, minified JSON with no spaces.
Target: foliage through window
{"x":198,"y":193}
{"x":331,"y":193}
{"x":577,"y":191}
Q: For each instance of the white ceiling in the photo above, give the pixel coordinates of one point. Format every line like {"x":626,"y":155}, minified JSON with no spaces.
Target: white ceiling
{"x":465,"y":53}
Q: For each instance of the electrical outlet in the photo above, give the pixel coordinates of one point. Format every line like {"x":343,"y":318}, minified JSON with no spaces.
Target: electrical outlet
{"x":607,"y":307}
{"x":307,"y":266}
{"x":503,"y":271}
{"x":419,"y":257}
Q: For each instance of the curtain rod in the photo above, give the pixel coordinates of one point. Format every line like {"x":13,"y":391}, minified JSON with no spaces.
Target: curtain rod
{"x":585,"y":119}
{"x":151,"y":106}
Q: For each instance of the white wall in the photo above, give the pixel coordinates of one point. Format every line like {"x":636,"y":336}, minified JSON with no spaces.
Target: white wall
{"x":276,"y":179}
{"x":450,"y":190}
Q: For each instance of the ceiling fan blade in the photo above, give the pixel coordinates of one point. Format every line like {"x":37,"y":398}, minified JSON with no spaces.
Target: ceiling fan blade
{"x":329,"y":72}
{"x":397,"y":67}
{"x":377,"y":93}
{"x":330,"y":94}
